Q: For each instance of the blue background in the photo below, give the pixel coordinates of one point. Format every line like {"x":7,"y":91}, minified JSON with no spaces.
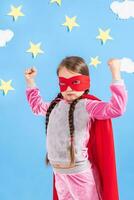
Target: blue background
{"x":23,"y":174}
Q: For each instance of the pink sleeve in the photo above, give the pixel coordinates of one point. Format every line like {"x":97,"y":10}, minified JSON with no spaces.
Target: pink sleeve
{"x":114,"y":108}
{"x":38,"y":106}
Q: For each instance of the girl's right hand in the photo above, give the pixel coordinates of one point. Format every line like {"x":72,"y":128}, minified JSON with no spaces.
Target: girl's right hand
{"x":30,"y":73}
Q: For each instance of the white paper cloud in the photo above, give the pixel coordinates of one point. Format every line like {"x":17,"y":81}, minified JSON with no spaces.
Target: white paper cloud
{"x":127,"y":65}
{"x":124,"y":9}
{"x":5,"y":36}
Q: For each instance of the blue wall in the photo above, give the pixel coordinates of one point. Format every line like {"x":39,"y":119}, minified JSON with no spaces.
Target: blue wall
{"x":23,"y":174}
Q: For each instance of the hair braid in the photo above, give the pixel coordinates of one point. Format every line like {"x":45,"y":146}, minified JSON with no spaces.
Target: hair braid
{"x":72,"y":128}
{"x":71,"y":124}
{"x":52,"y":105}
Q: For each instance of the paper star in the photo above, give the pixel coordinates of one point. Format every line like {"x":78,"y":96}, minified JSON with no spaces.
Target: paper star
{"x":95,"y":61}
{"x":35,"y":49}
{"x":56,"y":1}
{"x":6,"y":86}
{"x":104,"y":36}
{"x":16,"y":12}
{"x":70,"y":23}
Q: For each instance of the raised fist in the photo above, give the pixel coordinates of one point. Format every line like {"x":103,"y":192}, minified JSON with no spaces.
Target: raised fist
{"x":30,"y":73}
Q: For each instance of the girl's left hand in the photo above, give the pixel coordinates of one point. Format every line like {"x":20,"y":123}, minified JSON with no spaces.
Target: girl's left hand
{"x":114,"y":65}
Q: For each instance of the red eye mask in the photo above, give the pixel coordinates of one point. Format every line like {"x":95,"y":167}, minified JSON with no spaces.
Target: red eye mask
{"x":78,"y":83}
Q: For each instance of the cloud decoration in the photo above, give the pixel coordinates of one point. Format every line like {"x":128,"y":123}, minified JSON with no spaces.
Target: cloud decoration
{"x":5,"y":36}
{"x":124,"y":10}
{"x":127,"y":65}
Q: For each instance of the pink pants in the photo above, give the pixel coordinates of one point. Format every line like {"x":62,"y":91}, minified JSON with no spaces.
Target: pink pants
{"x":78,"y":186}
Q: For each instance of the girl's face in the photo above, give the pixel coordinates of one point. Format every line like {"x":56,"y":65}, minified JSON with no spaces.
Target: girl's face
{"x":69,"y":95}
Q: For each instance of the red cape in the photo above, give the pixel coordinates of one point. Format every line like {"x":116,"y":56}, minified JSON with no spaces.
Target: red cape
{"x":102,"y":156}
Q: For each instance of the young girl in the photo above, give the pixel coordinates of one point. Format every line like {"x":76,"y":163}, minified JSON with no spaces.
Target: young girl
{"x":79,"y":140}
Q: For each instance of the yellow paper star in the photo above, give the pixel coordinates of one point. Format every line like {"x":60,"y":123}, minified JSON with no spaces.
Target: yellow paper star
{"x":16,"y":12}
{"x":35,"y":49}
{"x":56,"y":1}
{"x":95,"y":61}
{"x":104,"y":36}
{"x":70,"y":23}
{"x":5,"y":86}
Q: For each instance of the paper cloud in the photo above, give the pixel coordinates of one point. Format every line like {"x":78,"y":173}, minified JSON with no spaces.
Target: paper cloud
{"x":127,"y":65}
{"x":124,"y":9}
{"x":5,"y":36}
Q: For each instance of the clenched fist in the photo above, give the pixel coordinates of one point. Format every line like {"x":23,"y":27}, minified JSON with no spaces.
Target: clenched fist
{"x":30,"y":73}
{"x":114,"y":65}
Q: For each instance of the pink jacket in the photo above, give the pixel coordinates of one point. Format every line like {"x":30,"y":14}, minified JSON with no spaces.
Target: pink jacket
{"x":97,"y":109}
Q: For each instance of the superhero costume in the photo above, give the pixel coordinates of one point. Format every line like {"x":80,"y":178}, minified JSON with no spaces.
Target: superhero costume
{"x":100,"y":147}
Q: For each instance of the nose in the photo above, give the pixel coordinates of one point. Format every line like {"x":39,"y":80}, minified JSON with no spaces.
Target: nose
{"x":69,"y":88}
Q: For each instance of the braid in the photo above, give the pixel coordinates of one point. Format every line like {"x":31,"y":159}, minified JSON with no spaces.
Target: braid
{"x":52,"y":105}
{"x":71,"y":126}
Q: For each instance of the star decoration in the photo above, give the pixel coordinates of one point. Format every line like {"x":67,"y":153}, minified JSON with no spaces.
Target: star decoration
{"x":16,"y":12}
{"x":104,"y":36}
{"x":70,"y":23}
{"x":56,"y":1}
{"x":5,"y":86}
{"x":95,"y":61}
{"x":35,"y":49}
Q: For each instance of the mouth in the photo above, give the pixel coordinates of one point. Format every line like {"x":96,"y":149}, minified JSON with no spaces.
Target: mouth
{"x":70,"y":94}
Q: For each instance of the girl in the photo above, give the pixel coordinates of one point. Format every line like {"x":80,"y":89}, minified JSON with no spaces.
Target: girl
{"x":79,"y":140}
